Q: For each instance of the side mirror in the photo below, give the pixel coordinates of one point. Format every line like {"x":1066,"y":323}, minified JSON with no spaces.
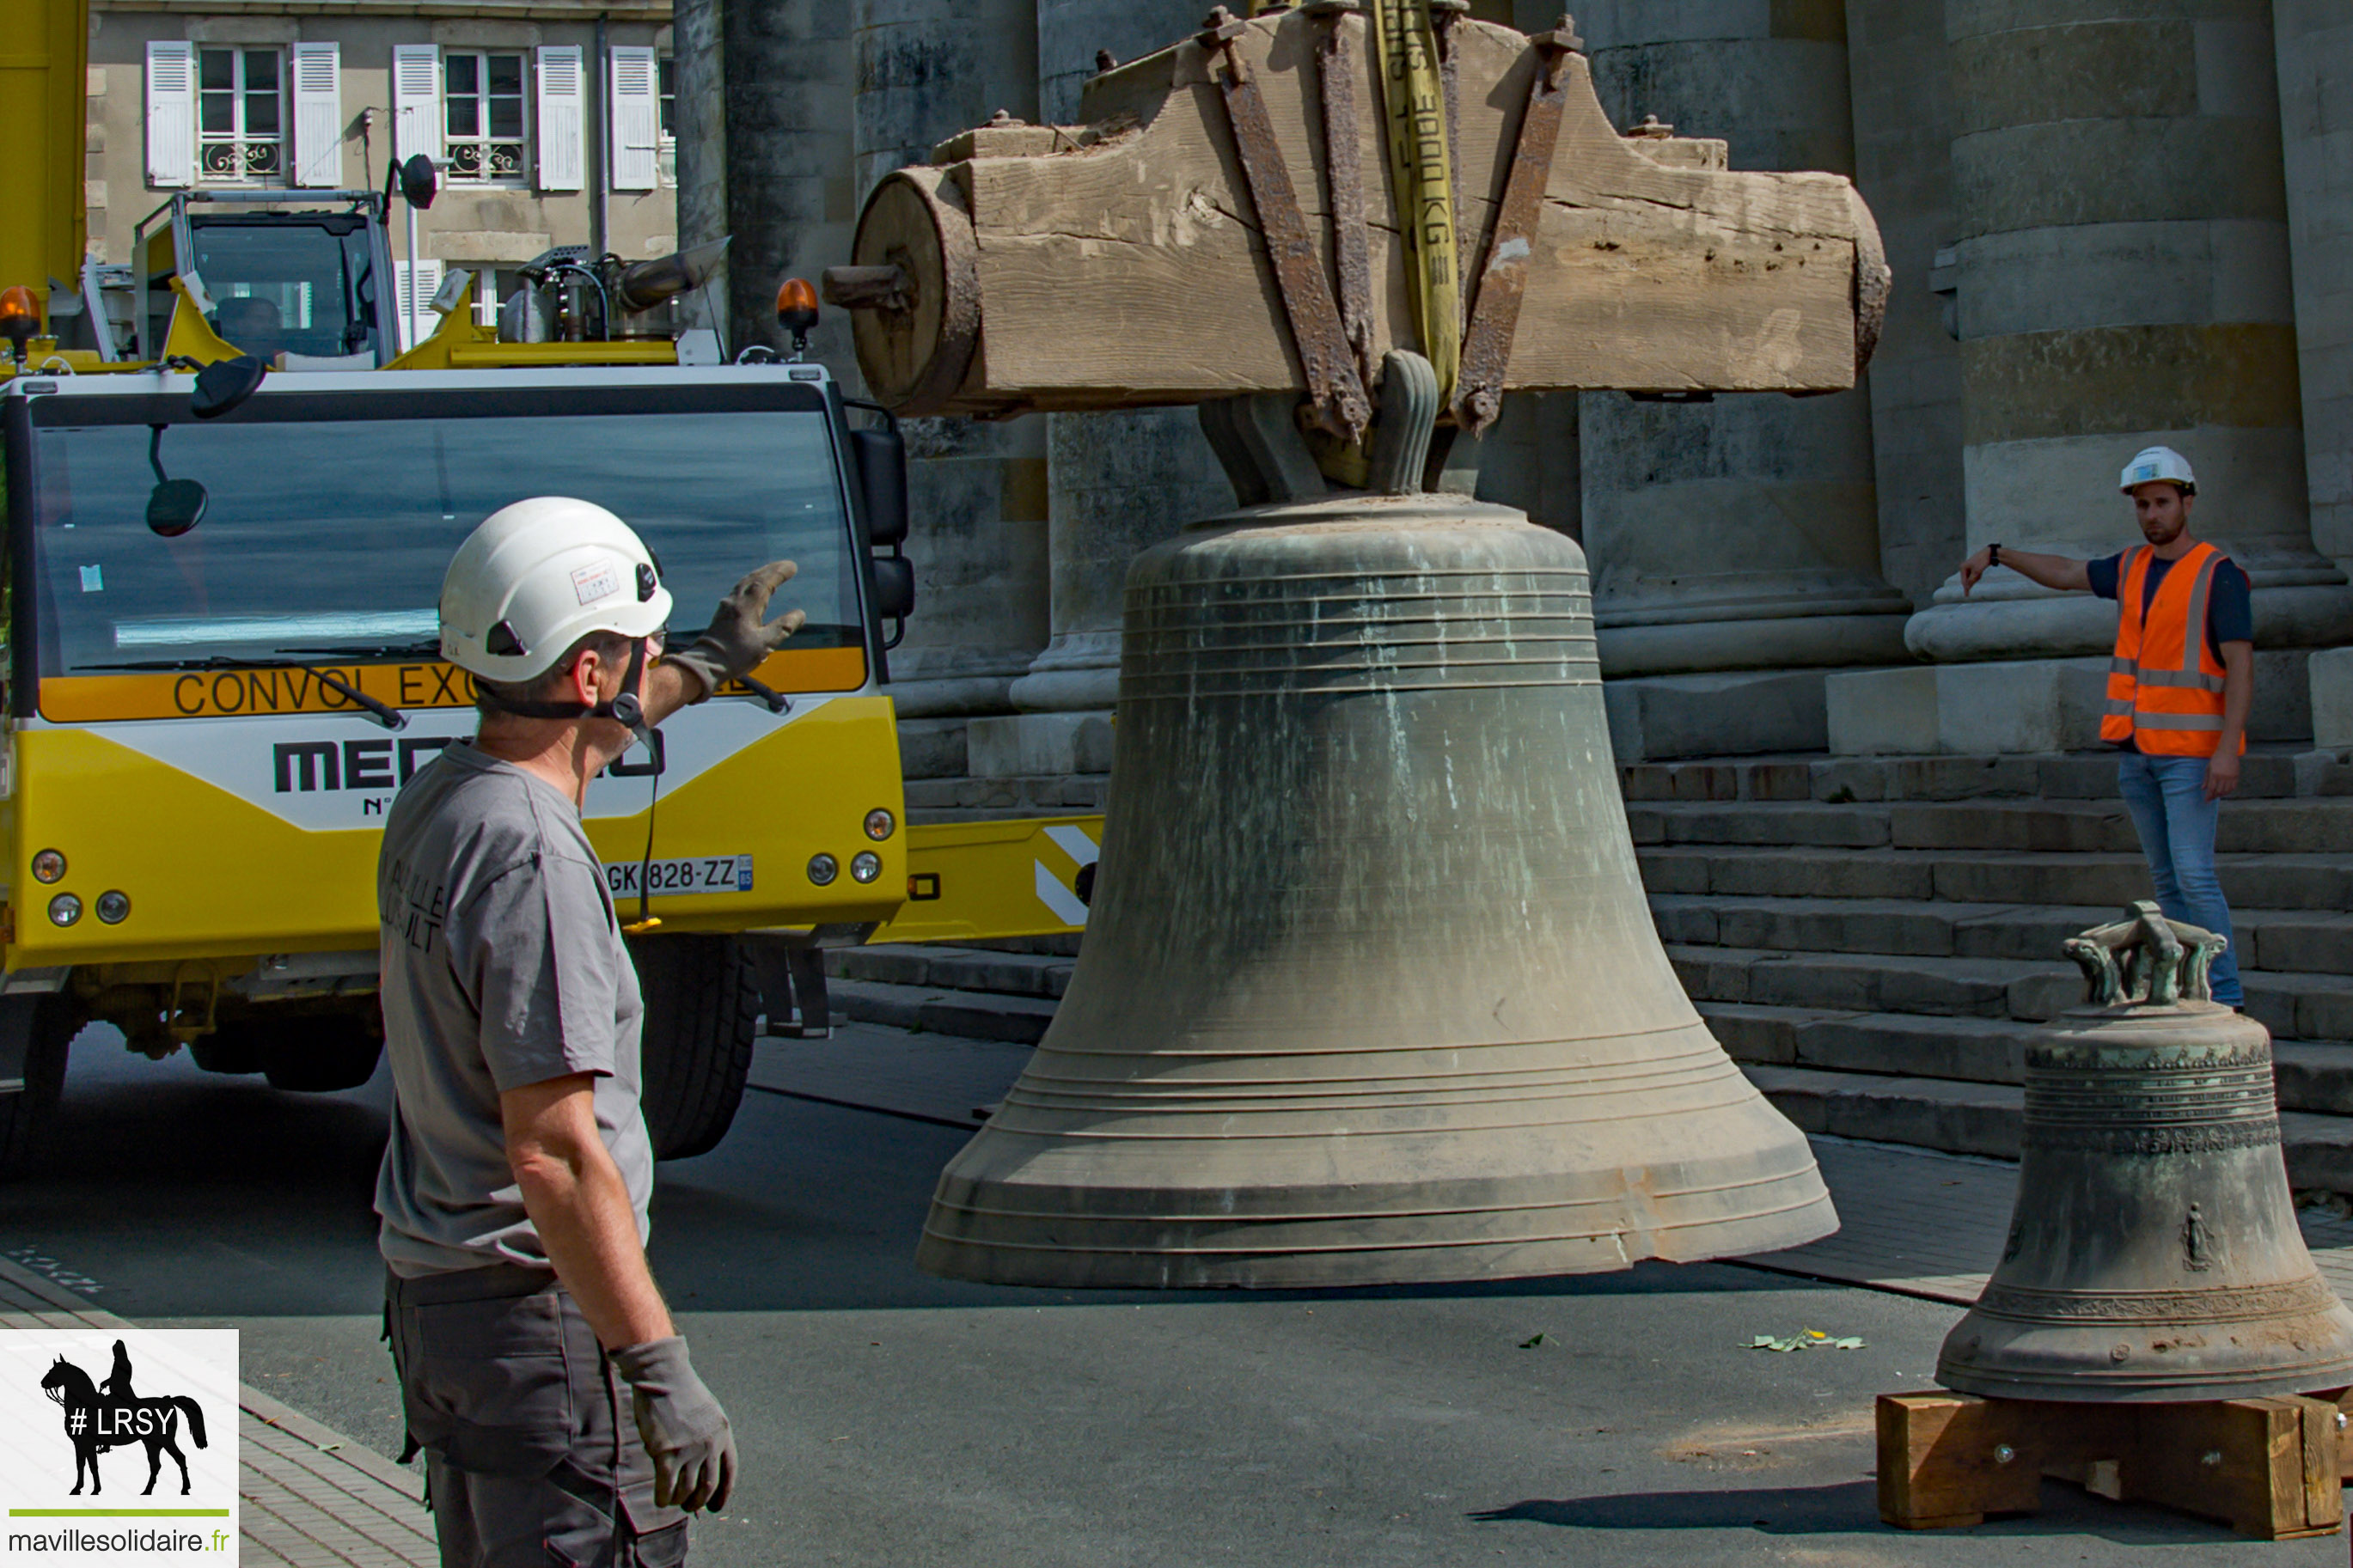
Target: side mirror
{"x":420,"y":181}
{"x":882,"y":457}
{"x":225,"y":384}
{"x":894,"y":587}
{"x":174,"y":507}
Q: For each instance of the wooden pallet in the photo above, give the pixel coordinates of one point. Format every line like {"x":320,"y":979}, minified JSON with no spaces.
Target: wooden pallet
{"x":2268,"y":1467}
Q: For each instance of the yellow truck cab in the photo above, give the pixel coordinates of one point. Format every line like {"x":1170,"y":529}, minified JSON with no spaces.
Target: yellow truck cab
{"x":222,"y":664}
{"x":234,"y":479}
{"x":207,"y":722}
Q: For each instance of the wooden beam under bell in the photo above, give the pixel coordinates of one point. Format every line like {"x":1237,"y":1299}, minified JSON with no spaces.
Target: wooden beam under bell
{"x":2268,"y":1467}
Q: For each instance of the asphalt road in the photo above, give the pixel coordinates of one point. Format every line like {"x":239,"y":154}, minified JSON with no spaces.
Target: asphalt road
{"x":888,"y":1418}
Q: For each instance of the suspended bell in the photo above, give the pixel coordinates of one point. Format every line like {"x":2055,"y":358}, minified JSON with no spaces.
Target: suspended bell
{"x":2154,"y":1253}
{"x":1370,"y":990}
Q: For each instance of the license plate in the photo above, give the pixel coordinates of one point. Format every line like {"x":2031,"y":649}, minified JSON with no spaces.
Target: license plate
{"x":708,"y":874}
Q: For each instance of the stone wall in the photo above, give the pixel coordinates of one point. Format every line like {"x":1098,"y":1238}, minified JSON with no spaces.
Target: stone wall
{"x":1902,"y":139}
{"x":2314,"y":40}
{"x":2110,"y":221}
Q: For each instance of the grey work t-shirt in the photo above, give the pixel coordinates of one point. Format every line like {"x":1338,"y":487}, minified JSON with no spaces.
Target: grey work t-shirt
{"x":503,"y":967}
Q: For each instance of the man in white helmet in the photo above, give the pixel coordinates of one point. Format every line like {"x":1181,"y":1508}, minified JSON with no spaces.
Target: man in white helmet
{"x":515,"y":1187}
{"x":2180,"y":684}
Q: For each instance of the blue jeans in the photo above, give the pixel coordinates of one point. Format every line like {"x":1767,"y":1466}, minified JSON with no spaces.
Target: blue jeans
{"x":2167,"y":797}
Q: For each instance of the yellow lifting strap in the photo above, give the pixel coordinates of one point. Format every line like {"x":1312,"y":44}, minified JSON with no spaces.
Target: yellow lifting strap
{"x":1413,"y":115}
{"x":1414,"y":130}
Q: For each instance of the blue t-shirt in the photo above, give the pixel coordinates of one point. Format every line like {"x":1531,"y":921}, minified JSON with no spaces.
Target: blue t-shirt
{"x":2230,"y":608}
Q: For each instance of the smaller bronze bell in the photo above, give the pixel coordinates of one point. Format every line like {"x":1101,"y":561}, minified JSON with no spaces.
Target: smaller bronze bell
{"x":2153,"y":1252}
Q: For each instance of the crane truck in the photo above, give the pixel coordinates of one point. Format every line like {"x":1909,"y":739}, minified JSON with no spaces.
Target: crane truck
{"x":230,"y":495}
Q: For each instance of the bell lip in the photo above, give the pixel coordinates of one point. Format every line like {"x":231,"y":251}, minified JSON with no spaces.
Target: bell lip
{"x":950,"y":1257}
{"x":2098,"y":1388}
{"x":1406,"y":1260}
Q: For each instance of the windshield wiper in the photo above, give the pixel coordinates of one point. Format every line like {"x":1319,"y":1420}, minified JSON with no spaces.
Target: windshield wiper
{"x":383,"y":712}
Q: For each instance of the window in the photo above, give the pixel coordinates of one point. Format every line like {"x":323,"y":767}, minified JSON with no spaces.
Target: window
{"x":666,"y":91}
{"x":240,"y":117}
{"x":296,"y":285}
{"x":492,"y":284}
{"x":482,"y":118}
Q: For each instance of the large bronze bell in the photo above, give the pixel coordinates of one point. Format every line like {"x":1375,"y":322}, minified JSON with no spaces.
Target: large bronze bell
{"x":2154,"y":1253}
{"x":1370,"y":990}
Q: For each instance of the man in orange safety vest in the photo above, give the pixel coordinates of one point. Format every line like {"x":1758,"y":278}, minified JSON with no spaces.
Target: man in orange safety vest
{"x":2178,"y":686}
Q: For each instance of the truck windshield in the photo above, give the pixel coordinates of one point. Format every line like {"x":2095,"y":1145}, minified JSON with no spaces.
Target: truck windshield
{"x":289,"y":287}
{"x":328,"y":538}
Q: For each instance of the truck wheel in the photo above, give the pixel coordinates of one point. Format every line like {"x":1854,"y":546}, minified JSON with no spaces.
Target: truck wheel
{"x":702,"y":1005}
{"x":228,"y":1049}
{"x":50,"y":1023}
{"x":318,"y":1055}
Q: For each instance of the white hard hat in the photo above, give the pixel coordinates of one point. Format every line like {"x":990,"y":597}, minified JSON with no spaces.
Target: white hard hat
{"x":2158,"y":463}
{"x":539,"y":575}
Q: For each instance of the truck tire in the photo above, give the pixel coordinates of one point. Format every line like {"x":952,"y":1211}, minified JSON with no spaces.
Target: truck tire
{"x":702,"y":1007}
{"x":316,"y":1055}
{"x":51,"y":1022}
{"x":228,"y":1049}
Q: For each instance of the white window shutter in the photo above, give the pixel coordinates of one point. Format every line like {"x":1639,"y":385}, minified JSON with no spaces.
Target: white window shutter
{"x":636,"y":129}
{"x":318,"y":115}
{"x":416,"y":101}
{"x":171,"y":113}
{"x":416,"y":290}
{"x":563,"y":118}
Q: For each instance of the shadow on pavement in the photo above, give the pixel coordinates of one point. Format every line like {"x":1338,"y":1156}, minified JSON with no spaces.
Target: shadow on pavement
{"x":1850,"y":1508}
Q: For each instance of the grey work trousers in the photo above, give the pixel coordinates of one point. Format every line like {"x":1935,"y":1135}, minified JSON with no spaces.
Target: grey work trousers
{"x":531,"y":1458}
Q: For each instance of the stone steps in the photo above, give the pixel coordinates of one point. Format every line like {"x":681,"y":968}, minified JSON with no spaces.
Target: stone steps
{"x":1985,"y":1118}
{"x":2269,"y":772}
{"x":940,"y":1010}
{"x":2320,"y":825}
{"x":2109,"y":879}
{"x":2311,"y":1075}
{"x":2296,"y":941}
{"x":1878,"y":982}
{"x":993,"y":799}
{"x":1873,"y":939}
{"x":955,"y":968}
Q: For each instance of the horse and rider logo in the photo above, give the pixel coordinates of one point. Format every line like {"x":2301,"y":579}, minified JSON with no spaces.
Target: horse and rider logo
{"x":112,"y":1415}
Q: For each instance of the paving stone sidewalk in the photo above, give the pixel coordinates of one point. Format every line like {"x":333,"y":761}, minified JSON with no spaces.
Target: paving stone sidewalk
{"x":311,"y":1498}
{"x":1912,"y":1221}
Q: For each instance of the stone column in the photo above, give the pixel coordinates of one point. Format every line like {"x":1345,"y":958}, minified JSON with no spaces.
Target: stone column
{"x":1735,"y":544}
{"x":2314,"y":40}
{"x":699,"y":51}
{"x":1530,"y":459}
{"x":1903,"y":165}
{"x":781,"y":165}
{"x":1116,"y":482}
{"x":2315,"y":75}
{"x":2121,"y":278}
{"x":925,"y":69}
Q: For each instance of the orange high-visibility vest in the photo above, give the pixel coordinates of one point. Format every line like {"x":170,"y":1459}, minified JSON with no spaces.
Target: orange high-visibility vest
{"x":2165,"y":684}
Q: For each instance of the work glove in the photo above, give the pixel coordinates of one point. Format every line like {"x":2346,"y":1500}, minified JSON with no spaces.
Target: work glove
{"x":685,"y":1431}
{"x":738,"y":637}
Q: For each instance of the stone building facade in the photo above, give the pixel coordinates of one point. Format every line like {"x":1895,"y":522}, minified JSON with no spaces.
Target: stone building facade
{"x":552,"y":122}
{"x":2111,"y":222}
